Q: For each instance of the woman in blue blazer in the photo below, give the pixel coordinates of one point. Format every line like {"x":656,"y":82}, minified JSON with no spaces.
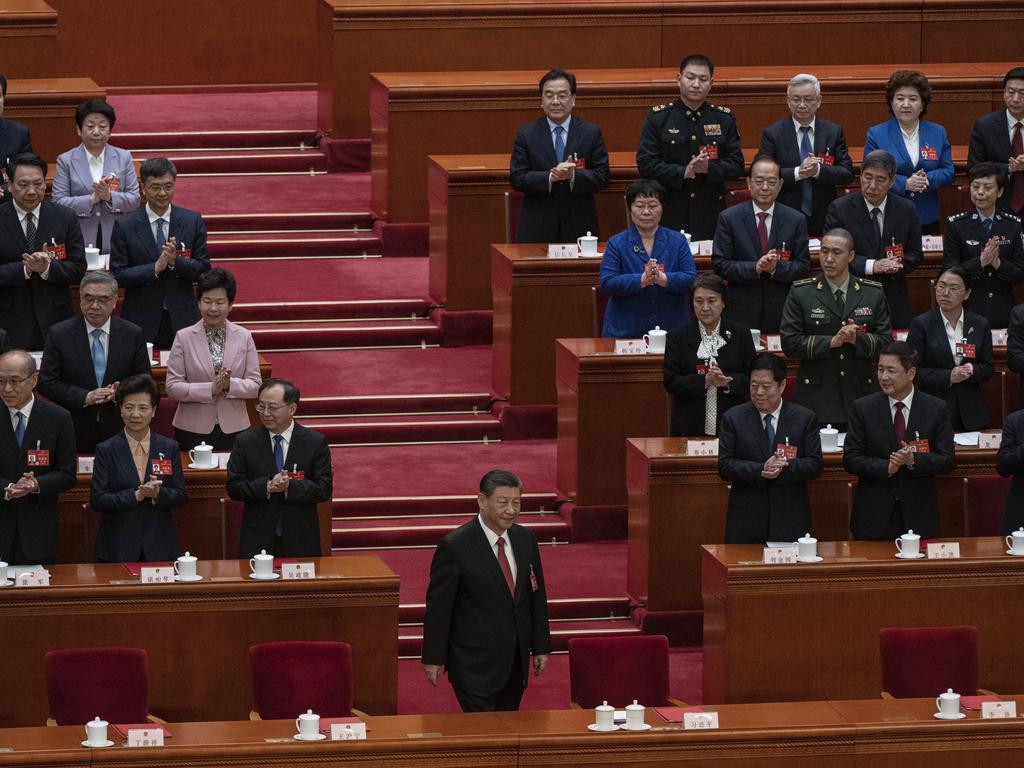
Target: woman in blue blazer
{"x":924,"y":159}
{"x":647,"y":271}
{"x":137,"y":524}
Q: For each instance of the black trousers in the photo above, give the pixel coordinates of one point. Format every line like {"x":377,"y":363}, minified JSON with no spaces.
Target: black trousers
{"x":505,"y":700}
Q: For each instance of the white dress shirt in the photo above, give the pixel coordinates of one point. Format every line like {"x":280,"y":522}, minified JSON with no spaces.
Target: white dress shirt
{"x":492,"y":539}
{"x":768,"y":219}
{"x":907,"y":403}
{"x":96,"y":164}
{"x":286,"y":440}
{"x":810,"y":137}
{"x":1012,"y":121}
{"x":25,"y":411}
{"x":153,"y":216}
{"x":565,"y":140}
{"x":954,"y":333}
{"x":912,"y":141}
{"x":869,"y":266}
{"x":775,"y":421}
{"x":22,"y":215}
{"x":104,"y":337}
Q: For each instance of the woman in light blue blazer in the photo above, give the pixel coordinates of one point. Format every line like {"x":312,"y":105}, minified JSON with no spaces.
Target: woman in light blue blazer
{"x":95,"y":180}
{"x":924,"y":160}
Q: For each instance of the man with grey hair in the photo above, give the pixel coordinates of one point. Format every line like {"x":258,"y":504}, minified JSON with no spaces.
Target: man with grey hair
{"x":811,"y":152}
{"x":886,"y":232}
{"x":37,"y":464}
{"x":487,"y":607}
{"x":86,"y":357}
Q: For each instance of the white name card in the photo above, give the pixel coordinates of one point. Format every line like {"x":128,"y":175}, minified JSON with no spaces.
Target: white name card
{"x":158,"y":574}
{"x":704,"y":247}
{"x":85,"y":465}
{"x":999,"y":336}
{"x":700,"y":721}
{"x":145,"y":737}
{"x":990,"y":439}
{"x":944,"y":550}
{"x":630,"y":347}
{"x":348,"y":731}
{"x":776,"y":555}
{"x":39,"y":578}
{"x":901,"y":335}
{"x":773,"y":342}
{"x":996,"y":710}
{"x":293,"y":571}
{"x":931,"y":243}
{"x":702,"y":447}
{"x":563,"y":251}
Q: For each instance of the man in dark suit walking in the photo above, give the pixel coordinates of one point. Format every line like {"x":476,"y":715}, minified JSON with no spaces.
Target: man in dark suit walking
{"x":760,"y":249}
{"x":899,"y":440}
{"x":487,"y":603}
{"x":998,"y":137}
{"x":558,"y":163}
{"x":812,"y":152}
{"x":86,"y":357}
{"x":281,"y":470}
{"x":37,"y":464}
{"x":41,"y":254}
{"x":14,"y":140}
{"x":768,"y":449}
{"x":886,"y":232}
{"x":156,"y":253}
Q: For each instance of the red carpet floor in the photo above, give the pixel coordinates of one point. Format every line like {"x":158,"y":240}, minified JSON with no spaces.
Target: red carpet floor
{"x":333,"y":192}
{"x":165,"y":112}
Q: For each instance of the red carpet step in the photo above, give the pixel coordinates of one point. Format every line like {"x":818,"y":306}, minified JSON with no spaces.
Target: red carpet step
{"x":352,"y":534}
{"x":334,"y":193}
{"x":335,"y":334}
{"x":390,"y":405}
{"x":225,"y":112}
{"x":164,"y":142}
{"x":419,"y":506}
{"x":243,"y":222}
{"x":242,"y":160}
{"x":296,"y":246}
{"x":371,"y":429}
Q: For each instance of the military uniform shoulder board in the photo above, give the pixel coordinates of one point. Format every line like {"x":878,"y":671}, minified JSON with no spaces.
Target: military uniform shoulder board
{"x":1010,"y":216}
{"x":957,"y":216}
{"x":660,"y":107}
{"x":720,"y":109}
{"x":805,"y":281}
{"x":872,"y":283}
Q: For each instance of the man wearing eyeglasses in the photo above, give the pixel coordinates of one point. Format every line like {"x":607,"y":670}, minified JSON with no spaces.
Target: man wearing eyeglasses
{"x":87,"y":356}
{"x":37,"y":463}
{"x":281,"y":470}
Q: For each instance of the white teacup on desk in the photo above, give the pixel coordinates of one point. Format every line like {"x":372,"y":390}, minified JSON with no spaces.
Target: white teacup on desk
{"x":829,"y":439}
{"x":308,"y":725}
{"x":96,"y":733}
{"x":655,"y":340}
{"x":262,"y":565}
{"x":185,"y":567}
{"x":202,"y":457}
{"x":1015,"y":542}
{"x":93,"y":259}
{"x":587,"y":245}
{"x":948,"y":704}
{"x":909,"y":545}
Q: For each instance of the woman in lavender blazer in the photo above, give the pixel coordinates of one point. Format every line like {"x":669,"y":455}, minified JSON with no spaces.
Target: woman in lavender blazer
{"x":95,"y":180}
{"x":213,"y":369}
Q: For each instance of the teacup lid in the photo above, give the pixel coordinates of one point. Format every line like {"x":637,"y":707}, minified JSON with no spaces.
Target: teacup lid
{"x":656,"y":331}
{"x":603,"y":706}
{"x":98,"y":721}
{"x":188,"y":556}
{"x":203,"y":445}
{"x":635,"y":705}
{"x":1020,"y":531}
{"x":949,"y":694}
{"x":308,"y":714}
{"x":910,"y":535}
{"x":806,"y":539}
{"x":263,"y":555}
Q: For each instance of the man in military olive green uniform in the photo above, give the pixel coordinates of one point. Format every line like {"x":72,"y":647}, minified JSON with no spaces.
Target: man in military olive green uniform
{"x":692,"y":147}
{"x":836,"y":324}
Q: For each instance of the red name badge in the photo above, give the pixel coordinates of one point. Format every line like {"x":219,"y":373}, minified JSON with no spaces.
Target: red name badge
{"x":3,"y":174}
{"x":57,"y":251}
{"x":862,"y":328}
{"x":786,"y":451}
{"x":894,"y":251}
{"x":919,"y":446}
{"x":783,"y":255}
{"x":113,"y":184}
{"x":826,"y":158}
{"x":581,"y":163}
{"x":929,"y":153}
{"x":966,"y":351}
{"x":533,"y":579}
{"x":160,"y":467}
{"x":297,"y":475}
{"x":702,"y":369}
{"x":661,"y":267}
{"x":38,"y":458}
{"x":711,"y":150}
{"x":184,"y":253}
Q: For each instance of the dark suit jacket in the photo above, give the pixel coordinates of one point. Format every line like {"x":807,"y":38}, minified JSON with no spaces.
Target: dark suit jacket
{"x":756,"y":300}
{"x":4,"y":344}
{"x":472,"y":624}
{"x":1010,"y":461}
{"x":66,"y":375}
{"x":780,"y":141}
{"x":35,"y":516}
{"x":14,"y":139}
{"x":559,"y":214}
{"x":763,"y":510}
{"x":869,"y":442}
{"x":132,"y":254}
{"x":687,"y":386}
{"x":900,"y":224}
{"x":135,"y":531}
{"x":250,"y":467}
{"x":1015,"y":348}
{"x":990,"y":142}
{"x":967,"y":408}
{"x":26,"y":303}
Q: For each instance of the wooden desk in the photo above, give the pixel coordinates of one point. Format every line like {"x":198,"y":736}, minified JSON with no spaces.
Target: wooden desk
{"x":28,"y":37}
{"x":789,"y":632}
{"x":198,"y":635}
{"x":47,"y":108}
{"x":416,"y":114}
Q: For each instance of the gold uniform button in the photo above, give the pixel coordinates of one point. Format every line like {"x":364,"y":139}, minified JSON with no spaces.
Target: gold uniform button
{"x":807,"y":381}
{"x":693,"y":138}
{"x":842,"y":373}
{"x":693,"y":195}
{"x":990,"y":294}
{"x":842,"y":357}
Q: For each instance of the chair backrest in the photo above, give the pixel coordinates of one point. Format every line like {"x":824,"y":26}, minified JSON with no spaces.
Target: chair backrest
{"x":986,"y":495}
{"x":292,"y":676}
{"x":513,"y":210}
{"x":598,"y":306}
{"x":965,"y":197}
{"x":925,"y":661}
{"x":789,"y":393}
{"x":619,"y":670}
{"x":737,"y":196}
{"x":83,"y":683}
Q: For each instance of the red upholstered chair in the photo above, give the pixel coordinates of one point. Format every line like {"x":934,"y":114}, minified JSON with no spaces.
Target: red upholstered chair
{"x":290,"y":677}
{"x":619,"y":670}
{"x":736,"y":196}
{"x":984,"y":500}
{"x":112,"y":683}
{"x":513,"y":209}
{"x":924,"y":661}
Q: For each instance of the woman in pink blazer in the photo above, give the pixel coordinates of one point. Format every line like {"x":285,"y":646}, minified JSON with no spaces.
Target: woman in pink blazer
{"x":213,"y":369}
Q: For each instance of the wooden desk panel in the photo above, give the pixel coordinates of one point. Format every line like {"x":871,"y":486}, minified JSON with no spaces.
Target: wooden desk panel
{"x":416,"y":114}
{"x":198,"y":635}
{"x":28,"y":38}
{"x":47,"y":108}
{"x":811,"y":631}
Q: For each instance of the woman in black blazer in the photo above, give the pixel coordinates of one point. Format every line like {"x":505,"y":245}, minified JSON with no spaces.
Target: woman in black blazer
{"x":941,"y":371}
{"x":707,"y":352}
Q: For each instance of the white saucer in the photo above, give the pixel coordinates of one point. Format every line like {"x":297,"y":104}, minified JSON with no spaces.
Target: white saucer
{"x":837,"y":449}
{"x":101,"y":745}
{"x":593,"y":727}
{"x":271,"y":577}
{"x":318,"y":737}
{"x":902,"y":556}
{"x":11,"y":581}
{"x":644,"y":727}
{"x":197,"y":577}
{"x":957,"y":716}
{"x":1009,"y":552}
{"x":815,"y":559}
{"x":203,"y":466}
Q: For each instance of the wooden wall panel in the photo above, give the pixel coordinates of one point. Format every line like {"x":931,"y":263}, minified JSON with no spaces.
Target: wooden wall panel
{"x":28,"y":39}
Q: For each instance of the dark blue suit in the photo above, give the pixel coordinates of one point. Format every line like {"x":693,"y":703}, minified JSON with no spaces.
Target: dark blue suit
{"x":932,"y":136}
{"x":990,"y":142}
{"x":756,"y":300}
{"x":1010,"y":462}
{"x":132,"y":254}
{"x":556,"y":213}
{"x":779,"y":141}
{"x":135,"y":531}
{"x":14,"y":139}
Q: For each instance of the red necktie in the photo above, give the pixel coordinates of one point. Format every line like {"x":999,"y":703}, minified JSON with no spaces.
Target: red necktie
{"x":1017,"y":179}
{"x":762,"y":231}
{"x":899,"y":423}
{"x":506,"y":569}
